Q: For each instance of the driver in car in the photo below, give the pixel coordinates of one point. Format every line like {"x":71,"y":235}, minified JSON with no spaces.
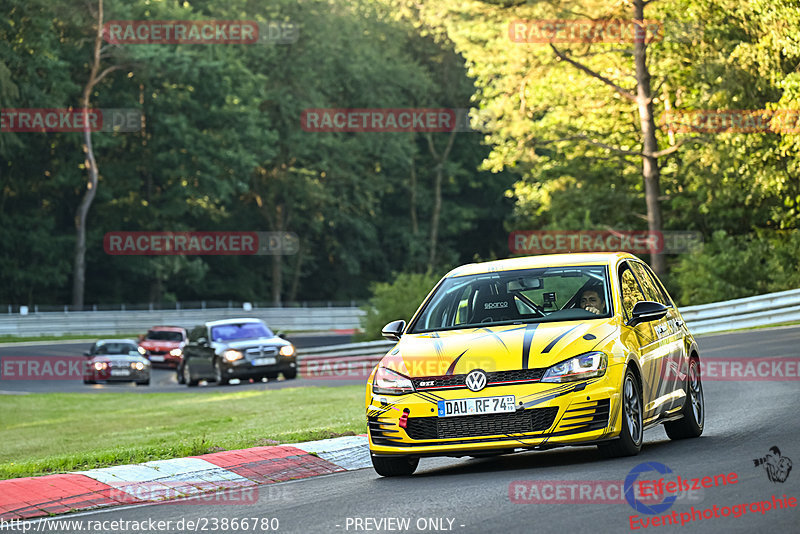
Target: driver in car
{"x":592,"y":301}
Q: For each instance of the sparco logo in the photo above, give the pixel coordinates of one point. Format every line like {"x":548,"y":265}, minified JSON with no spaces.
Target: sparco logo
{"x":493,"y":305}
{"x":476,"y":380}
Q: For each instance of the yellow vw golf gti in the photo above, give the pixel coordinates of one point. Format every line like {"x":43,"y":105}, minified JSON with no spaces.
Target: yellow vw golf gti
{"x":535,"y":353}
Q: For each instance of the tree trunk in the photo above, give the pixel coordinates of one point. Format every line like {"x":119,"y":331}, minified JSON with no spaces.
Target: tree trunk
{"x":437,"y":194}
{"x":650,"y":171}
{"x":79,"y":264}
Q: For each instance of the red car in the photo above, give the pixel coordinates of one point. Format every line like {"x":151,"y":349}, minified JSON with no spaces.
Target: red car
{"x":164,"y":344}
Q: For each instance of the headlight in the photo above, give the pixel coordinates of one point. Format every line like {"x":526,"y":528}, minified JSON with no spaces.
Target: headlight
{"x":100,"y":365}
{"x":391,"y":383}
{"x":287,"y":350}
{"x":175,"y":352}
{"x":580,"y":367}
{"x":137,"y":365}
{"x":142,"y":351}
{"x":232,"y":355}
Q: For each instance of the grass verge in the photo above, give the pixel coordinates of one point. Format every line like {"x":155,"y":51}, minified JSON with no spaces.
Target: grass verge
{"x":59,"y":432}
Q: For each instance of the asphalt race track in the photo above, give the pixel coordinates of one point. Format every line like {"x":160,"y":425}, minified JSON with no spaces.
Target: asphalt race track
{"x":162,"y":379}
{"x":743,"y":420}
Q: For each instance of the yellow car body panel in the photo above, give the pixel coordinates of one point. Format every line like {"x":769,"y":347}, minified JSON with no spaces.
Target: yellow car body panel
{"x":571,"y":413}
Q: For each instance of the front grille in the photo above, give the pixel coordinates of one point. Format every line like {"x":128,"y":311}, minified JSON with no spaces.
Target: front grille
{"x":493,"y":378}
{"x":468,"y":426}
{"x":262,"y":351}
{"x":158,"y":352}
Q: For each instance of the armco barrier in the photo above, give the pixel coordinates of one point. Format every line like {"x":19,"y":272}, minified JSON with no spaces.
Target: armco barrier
{"x":761,"y":310}
{"x":127,"y":322}
{"x":353,"y":356}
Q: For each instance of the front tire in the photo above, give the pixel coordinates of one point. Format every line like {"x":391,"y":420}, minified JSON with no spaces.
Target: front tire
{"x":388,"y":466}
{"x":222,"y":380}
{"x":694,"y":409}
{"x":289,"y":374}
{"x":629,"y":442}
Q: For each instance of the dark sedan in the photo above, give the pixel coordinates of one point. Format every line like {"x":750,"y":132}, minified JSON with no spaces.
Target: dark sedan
{"x":116,"y":360}
{"x":220,"y":351}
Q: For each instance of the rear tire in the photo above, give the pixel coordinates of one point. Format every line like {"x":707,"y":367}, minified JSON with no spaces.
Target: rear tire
{"x":388,"y":466}
{"x":89,"y":381}
{"x":629,"y":442}
{"x":143,"y":383}
{"x":694,"y":409}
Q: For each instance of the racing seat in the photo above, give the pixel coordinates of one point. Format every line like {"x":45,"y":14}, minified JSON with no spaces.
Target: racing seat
{"x":492,"y":308}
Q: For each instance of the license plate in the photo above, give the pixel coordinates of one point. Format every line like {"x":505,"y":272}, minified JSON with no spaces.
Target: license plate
{"x":264,"y":361}
{"x":120,"y":372}
{"x":156,"y":358}
{"x":477,"y":406}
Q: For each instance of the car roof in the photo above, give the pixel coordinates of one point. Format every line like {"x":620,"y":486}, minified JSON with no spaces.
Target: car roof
{"x":105,"y":341}
{"x":234,"y":321}
{"x":545,"y":260}
{"x":168,"y":328}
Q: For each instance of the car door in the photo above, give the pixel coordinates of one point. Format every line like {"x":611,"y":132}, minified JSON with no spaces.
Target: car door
{"x":672,"y":334}
{"x":642,"y":338}
{"x":198,"y":352}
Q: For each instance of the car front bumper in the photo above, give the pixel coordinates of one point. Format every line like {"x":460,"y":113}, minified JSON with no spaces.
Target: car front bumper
{"x":551,"y":415}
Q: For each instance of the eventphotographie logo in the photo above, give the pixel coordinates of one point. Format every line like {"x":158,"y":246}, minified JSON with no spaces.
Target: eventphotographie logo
{"x":777,"y":467}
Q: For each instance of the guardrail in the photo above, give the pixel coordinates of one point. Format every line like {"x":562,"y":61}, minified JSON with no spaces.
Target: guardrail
{"x":351,"y":360}
{"x":761,"y":310}
{"x":127,"y":322}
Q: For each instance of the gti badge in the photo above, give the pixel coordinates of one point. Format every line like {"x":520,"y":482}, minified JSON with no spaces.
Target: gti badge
{"x":476,"y":380}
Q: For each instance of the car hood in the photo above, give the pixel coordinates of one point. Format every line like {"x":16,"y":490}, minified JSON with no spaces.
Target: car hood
{"x":498,"y":348}
{"x":242,"y":344}
{"x":119,"y":358}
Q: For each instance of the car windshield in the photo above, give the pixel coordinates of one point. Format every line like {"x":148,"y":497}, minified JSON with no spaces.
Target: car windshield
{"x":115,"y":348}
{"x":164,"y":335}
{"x":227,"y":332}
{"x":517,"y":297}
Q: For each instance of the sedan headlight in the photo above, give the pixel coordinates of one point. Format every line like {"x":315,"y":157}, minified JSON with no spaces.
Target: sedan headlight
{"x":100,"y":365}
{"x":141,"y":351}
{"x":287,"y":350}
{"x":232,"y":355}
{"x":391,"y":383}
{"x":587,"y":365}
{"x":175,"y":352}
{"x":137,"y":365}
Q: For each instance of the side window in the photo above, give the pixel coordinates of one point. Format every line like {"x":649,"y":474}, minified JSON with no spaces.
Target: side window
{"x":667,"y":299}
{"x":631,"y":293}
{"x":650,"y":289}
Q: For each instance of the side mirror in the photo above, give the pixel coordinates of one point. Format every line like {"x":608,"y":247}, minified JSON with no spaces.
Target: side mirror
{"x":203,"y":342}
{"x":87,"y":354}
{"x":394,"y":330}
{"x":280,"y":335}
{"x":645,"y":311}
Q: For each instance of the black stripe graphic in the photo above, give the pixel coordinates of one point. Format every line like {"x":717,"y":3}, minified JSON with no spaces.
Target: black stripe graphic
{"x":526,"y":343}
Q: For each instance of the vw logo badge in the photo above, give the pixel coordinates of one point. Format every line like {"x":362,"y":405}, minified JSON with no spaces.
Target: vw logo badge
{"x":476,"y":380}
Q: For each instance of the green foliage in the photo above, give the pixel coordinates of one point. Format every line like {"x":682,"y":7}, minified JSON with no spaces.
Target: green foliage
{"x":394,"y":300}
{"x":729,"y":267}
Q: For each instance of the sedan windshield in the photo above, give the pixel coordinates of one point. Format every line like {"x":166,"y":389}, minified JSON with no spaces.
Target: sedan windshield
{"x":517,"y":297}
{"x":227,"y":332}
{"x":164,"y":335}
{"x":115,"y":348}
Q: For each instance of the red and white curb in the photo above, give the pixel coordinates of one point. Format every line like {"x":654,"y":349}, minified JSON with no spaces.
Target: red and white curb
{"x":181,"y":478}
